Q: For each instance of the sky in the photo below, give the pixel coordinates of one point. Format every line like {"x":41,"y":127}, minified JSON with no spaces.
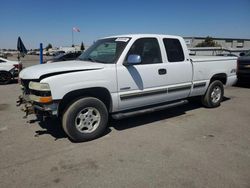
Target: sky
{"x":51,"y":21}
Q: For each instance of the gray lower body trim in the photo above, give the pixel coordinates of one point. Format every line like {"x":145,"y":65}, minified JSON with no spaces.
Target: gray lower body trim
{"x":199,"y":85}
{"x":155,"y":92}
{"x":143,"y":94}
{"x":179,"y":88}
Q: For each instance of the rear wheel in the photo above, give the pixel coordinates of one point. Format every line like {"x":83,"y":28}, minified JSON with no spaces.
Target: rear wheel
{"x":213,"y":95}
{"x":5,"y":77}
{"x":85,"y":119}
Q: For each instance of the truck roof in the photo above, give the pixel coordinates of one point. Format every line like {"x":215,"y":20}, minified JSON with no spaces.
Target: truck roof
{"x":144,"y":35}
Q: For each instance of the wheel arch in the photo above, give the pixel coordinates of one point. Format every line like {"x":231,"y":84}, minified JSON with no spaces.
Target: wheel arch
{"x":220,"y":76}
{"x":6,"y":72}
{"x":98,"y":92}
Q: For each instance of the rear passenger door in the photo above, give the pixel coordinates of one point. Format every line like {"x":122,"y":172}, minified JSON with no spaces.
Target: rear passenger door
{"x":179,"y":69}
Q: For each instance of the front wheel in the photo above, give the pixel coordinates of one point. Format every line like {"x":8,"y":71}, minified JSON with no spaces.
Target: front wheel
{"x":85,"y":119}
{"x":213,"y":95}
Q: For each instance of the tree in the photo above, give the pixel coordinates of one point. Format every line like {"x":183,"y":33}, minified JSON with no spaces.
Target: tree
{"x":208,"y":42}
{"x":82,"y":47}
{"x":48,"y":47}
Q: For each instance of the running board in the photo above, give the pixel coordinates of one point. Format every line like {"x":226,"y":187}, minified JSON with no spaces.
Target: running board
{"x":121,"y":115}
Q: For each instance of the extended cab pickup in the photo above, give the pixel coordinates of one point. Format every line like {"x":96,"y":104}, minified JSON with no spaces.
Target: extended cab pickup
{"x":123,"y":76}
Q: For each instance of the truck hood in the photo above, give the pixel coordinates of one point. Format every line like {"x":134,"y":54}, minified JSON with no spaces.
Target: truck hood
{"x":36,"y":71}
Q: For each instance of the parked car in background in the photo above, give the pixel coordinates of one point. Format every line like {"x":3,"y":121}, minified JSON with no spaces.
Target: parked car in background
{"x":31,"y":53}
{"x":243,"y":72}
{"x":56,"y":53}
{"x":2,"y":55}
{"x":9,"y":70}
{"x":65,"y":57}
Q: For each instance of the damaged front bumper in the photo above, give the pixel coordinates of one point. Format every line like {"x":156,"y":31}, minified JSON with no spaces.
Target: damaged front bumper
{"x":31,"y":107}
{"x":37,"y":99}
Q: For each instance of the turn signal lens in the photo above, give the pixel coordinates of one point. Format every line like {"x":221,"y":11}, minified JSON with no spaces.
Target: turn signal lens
{"x":45,"y":99}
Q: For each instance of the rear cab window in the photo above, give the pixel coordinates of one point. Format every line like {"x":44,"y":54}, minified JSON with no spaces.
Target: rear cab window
{"x":174,"y":50}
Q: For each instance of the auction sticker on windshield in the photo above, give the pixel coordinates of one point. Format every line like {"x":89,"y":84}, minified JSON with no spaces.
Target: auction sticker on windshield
{"x":123,"y":39}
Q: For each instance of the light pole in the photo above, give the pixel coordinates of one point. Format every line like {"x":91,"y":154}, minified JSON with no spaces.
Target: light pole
{"x":72,"y":30}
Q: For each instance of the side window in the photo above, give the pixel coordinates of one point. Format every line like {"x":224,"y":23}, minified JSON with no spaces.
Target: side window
{"x":2,"y":61}
{"x":174,"y":50}
{"x":148,"y":49}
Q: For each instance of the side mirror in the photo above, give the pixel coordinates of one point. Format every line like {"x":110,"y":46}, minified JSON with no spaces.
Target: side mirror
{"x":242,"y":53}
{"x":133,"y":59}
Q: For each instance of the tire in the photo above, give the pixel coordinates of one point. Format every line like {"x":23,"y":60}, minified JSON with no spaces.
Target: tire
{"x":5,"y":77}
{"x":213,"y":95}
{"x":85,"y":119}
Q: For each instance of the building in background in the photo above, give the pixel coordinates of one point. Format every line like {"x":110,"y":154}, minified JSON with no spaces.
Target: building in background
{"x":228,"y":45}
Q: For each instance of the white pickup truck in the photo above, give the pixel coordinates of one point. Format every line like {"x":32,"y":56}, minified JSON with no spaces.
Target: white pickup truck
{"x":123,"y":76}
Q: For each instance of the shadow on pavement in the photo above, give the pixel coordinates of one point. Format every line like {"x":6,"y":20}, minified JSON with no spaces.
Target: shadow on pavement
{"x":225,"y":99}
{"x":243,"y":84}
{"x":13,"y":81}
{"x":153,"y":117}
{"x":53,"y":127}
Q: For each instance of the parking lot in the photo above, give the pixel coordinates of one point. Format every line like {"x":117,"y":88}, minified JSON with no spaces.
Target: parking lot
{"x":188,"y":146}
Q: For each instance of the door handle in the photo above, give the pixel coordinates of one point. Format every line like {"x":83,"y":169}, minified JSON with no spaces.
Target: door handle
{"x":162,"y":71}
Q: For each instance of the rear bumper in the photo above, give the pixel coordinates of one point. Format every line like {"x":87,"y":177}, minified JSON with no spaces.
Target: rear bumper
{"x":16,"y":73}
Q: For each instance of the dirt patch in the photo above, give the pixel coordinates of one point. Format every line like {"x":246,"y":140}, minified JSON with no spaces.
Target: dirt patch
{"x":57,"y":180}
{"x":87,"y":164}
{"x":4,"y":107}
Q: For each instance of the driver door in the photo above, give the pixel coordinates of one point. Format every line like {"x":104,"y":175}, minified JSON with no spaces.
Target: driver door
{"x":144,"y":83}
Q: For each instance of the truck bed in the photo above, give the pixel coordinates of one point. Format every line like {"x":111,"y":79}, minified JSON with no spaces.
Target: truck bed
{"x":204,"y":67}
{"x":210,"y":58}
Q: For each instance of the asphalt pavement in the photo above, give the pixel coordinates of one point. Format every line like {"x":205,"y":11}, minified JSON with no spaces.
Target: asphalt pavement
{"x":189,"y":146}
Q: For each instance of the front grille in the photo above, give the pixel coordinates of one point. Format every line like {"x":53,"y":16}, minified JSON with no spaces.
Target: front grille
{"x":25,"y":84}
{"x":40,"y":93}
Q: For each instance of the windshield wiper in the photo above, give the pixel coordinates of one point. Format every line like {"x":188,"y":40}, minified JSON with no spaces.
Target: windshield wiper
{"x":94,"y":60}
{"x":91,"y":59}
{"x":86,"y":59}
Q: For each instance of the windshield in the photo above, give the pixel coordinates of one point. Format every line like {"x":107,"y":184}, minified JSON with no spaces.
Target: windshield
{"x":105,"y":50}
